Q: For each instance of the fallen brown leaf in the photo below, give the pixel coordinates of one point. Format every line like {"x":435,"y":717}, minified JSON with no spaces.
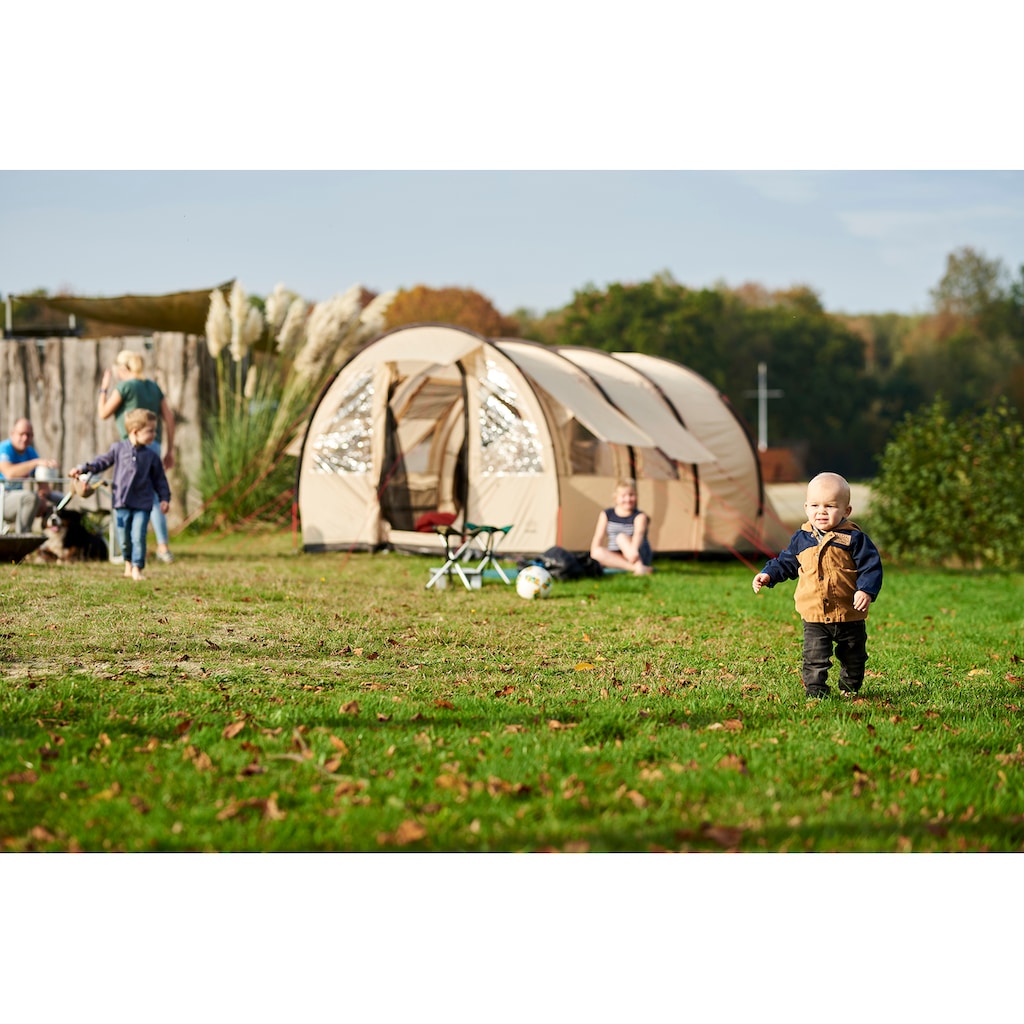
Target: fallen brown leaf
{"x":340,"y":745}
{"x":727,"y":836}
{"x":267,"y":808}
{"x":199,"y":758}
{"x":232,"y":730}
{"x":350,"y":787}
{"x":408,"y":832}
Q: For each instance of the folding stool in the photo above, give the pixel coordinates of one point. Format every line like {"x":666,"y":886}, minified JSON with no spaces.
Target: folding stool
{"x":492,"y":537}
{"x":453,"y":556}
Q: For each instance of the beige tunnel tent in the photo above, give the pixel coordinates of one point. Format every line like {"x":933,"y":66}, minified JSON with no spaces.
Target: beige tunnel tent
{"x":433,"y":421}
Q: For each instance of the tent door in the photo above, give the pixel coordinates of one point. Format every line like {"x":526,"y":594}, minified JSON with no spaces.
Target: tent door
{"x":424,"y":443}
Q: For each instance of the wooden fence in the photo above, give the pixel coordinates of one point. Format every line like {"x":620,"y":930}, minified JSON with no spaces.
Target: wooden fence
{"x":55,"y":383}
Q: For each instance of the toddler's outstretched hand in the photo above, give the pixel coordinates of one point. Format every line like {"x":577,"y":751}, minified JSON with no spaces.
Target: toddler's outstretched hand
{"x":760,"y":580}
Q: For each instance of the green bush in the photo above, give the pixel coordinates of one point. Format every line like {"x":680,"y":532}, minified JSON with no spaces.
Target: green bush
{"x":949,"y":489}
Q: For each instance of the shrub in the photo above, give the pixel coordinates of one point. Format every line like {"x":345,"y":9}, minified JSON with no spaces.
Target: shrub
{"x":948,"y":489}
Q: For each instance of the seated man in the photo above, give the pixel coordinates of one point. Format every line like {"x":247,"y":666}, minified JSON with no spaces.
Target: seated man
{"x":19,"y":461}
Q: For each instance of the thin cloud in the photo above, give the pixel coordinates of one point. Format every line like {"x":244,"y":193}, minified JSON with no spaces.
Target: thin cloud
{"x":883,"y":224}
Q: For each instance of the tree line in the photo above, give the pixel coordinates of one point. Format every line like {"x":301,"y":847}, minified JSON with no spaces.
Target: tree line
{"x":847,"y":381}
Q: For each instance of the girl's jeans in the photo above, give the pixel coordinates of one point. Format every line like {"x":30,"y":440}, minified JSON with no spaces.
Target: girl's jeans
{"x":131,"y":534}
{"x":849,"y":639}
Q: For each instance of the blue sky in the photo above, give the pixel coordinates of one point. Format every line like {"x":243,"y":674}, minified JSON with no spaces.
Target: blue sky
{"x":866,"y":241}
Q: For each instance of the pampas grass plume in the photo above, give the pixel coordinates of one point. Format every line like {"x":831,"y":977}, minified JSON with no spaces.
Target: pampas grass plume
{"x":329,"y":324}
{"x":276,"y":307}
{"x":371,"y":320}
{"x":218,"y":324}
{"x":291,"y":332}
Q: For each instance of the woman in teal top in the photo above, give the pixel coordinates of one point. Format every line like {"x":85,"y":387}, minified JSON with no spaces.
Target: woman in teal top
{"x":135,"y":391}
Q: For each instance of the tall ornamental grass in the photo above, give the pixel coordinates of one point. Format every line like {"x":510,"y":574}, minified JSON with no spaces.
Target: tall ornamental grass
{"x":264,"y":393}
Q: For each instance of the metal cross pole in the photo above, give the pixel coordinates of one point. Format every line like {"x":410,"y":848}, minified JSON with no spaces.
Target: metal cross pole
{"x":763,"y":394}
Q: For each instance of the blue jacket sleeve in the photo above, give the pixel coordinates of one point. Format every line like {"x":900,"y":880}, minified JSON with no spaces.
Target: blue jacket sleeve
{"x":785,"y":566}
{"x":159,"y":478}
{"x":868,"y":562}
{"x":101,"y":462}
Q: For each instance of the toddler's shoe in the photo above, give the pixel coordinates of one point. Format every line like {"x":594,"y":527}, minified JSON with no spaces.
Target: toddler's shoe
{"x":164,"y":556}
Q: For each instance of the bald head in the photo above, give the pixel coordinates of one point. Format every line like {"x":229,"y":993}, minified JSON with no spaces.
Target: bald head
{"x":831,"y":484}
{"x":21,"y":434}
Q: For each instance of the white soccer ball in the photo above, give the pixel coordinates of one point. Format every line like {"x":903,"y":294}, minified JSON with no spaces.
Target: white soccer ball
{"x":534,"y":581}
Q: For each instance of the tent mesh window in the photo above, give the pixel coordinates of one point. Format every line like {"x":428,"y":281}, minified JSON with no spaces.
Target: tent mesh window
{"x":346,"y":445}
{"x":508,"y":441}
{"x":653,"y":464}
{"x":588,"y":455}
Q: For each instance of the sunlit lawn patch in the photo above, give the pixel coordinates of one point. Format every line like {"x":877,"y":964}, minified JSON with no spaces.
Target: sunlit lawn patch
{"x":250,"y":698}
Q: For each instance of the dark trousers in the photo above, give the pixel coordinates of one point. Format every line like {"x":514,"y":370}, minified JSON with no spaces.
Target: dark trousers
{"x":849,"y":640}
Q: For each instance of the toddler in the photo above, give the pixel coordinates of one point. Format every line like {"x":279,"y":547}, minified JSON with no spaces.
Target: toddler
{"x":839,"y":573}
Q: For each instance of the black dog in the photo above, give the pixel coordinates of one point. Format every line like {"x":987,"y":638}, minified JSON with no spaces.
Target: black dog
{"x":69,"y":540}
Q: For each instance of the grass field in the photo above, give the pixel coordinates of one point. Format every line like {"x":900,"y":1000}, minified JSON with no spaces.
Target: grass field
{"x":251,"y":698}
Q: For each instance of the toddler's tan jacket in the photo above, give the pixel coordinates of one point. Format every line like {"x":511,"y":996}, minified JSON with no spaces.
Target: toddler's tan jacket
{"x":829,"y":570}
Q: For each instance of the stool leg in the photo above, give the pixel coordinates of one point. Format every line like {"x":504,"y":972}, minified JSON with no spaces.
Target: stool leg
{"x":438,"y":573}
{"x":445,"y":569}
{"x":457,"y":564}
{"x":490,"y":559}
{"x":451,"y":565}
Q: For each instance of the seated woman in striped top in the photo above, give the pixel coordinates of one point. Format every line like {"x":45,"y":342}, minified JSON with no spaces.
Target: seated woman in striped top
{"x":620,"y":539}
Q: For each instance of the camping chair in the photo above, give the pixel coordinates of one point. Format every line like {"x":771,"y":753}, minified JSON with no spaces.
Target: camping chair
{"x":5,"y":526}
{"x":454,"y":551}
{"x":492,"y":537}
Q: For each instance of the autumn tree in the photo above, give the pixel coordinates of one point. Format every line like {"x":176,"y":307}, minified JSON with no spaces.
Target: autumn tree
{"x":972,"y":285}
{"x":461,"y":307}
{"x":971,"y":349}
